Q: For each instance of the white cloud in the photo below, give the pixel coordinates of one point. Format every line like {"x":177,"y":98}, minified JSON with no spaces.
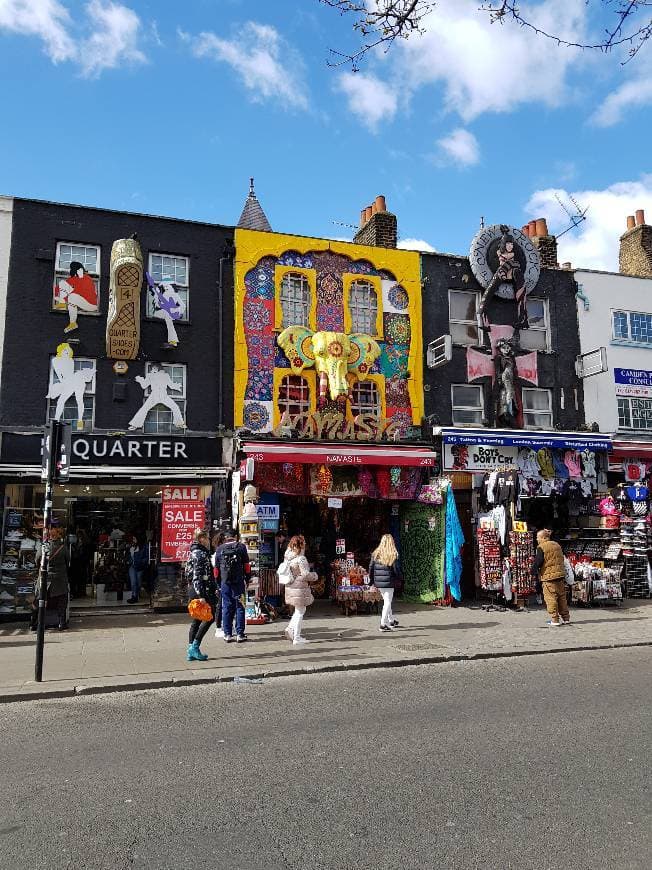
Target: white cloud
{"x":460,"y":147}
{"x":594,"y":244}
{"x":47,"y":19}
{"x":415,"y":245}
{"x":114,"y":39}
{"x":633,"y":93}
{"x":476,"y":66}
{"x":270,"y":68}
{"x":369,"y":98}
{"x":106,"y":39}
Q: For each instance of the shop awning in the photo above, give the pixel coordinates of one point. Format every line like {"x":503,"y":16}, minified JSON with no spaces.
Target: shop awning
{"x":137,"y":473}
{"x":339,"y":454}
{"x":523,"y":438}
{"x":624,"y":448}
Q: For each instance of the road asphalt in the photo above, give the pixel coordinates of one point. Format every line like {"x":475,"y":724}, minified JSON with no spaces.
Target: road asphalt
{"x":532,"y":763}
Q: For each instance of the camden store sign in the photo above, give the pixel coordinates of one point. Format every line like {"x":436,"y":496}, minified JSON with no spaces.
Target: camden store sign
{"x":477,"y":457}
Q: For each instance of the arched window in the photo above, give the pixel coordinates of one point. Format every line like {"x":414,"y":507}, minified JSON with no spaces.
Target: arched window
{"x":293,"y":395}
{"x":295,"y":299}
{"x":363,"y":305}
{"x":365,"y":398}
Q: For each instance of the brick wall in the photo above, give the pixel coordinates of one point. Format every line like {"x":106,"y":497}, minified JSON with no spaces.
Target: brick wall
{"x":380,"y":231}
{"x":636,"y":252}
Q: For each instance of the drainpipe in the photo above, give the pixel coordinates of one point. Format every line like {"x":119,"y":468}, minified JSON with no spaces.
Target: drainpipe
{"x":227,"y":257}
{"x":581,"y":295}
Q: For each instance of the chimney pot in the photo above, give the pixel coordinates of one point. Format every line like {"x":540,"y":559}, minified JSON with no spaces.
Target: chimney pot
{"x":541,"y":227}
{"x":640,"y":217}
{"x":566,"y":266}
{"x":367,"y":213}
{"x":374,"y":208}
{"x":363,"y":219}
{"x":532,"y":229}
{"x":525,"y":229}
{"x":631,"y":221}
{"x":381,"y":205}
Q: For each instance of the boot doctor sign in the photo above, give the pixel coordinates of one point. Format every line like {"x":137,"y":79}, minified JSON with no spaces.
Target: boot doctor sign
{"x":183,"y":512}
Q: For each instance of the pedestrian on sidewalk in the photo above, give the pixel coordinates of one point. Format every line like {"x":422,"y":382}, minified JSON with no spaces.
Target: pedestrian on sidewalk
{"x":383,"y":574}
{"x":235,"y":570}
{"x":138,"y":562}
{"x":216,"y":542}
{"x":297,"y":588}
{"x":201,"y":585}
{"x":57,"y":579}
{"x":549,"y":565}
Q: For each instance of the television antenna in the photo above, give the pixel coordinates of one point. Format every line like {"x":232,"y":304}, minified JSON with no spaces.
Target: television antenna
{"x":576,"y":217}
{"x":348,"y":226}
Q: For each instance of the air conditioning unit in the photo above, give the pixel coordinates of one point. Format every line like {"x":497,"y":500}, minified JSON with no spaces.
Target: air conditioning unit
{"x":439,"y":352}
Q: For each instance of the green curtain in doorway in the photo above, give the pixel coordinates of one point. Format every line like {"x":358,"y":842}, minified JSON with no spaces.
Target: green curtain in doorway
{"x":423,"y":541}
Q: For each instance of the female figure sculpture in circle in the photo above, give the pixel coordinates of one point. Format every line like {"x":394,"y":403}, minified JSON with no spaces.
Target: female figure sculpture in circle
{"x":509,"y":271}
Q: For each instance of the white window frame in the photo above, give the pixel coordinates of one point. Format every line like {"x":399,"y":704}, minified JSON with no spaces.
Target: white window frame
{"x":64,"y":272}
{"x":89,"y":390}
{"x":361,"y":311}
{"x":629,"y":340}
{"x":358,"y":405}
{"x":548,"y":411}
{"x":545,"y":329}
{"x":178,"y":396}
{"x":295,"y":297}
{"x":284,"y":402}
{"x":183,"y":288}
{"x":476,"y":408}
{"x":454,"y":321}
{"x":631,"y":427}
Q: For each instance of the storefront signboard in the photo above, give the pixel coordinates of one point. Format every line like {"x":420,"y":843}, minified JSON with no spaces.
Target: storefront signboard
{"x":534,"y":440}
{"x":477,"y":457}
{"x":335,"y":503}
{"x":183,"y":512}
{"x":268,"y":516}
{"x":334,"y":425}
{"x":633,"y":382}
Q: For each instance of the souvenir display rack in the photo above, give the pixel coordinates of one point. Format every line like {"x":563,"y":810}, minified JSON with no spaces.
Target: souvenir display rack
{"x":490,"y":562}
{"x":521,"y":556}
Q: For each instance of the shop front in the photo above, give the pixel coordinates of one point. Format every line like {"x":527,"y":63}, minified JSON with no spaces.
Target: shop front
{"x":342,"y":498}
{"x":630,"y":469}
{"x":124,"y":492}
{"x":519,"y":481}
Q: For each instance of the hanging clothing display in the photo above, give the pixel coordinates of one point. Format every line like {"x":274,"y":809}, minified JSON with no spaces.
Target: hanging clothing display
{"x":454,"y":544}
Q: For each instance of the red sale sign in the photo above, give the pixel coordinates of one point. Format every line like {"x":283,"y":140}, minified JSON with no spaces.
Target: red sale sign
{"x":183,"y":512}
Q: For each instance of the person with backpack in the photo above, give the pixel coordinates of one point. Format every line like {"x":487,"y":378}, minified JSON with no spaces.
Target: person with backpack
{"x":232,"y":559}
{"x":216,"y":542}
{"x":201,"y":585}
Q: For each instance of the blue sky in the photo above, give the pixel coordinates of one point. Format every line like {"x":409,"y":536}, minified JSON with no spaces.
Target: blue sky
{"x":167,"y":108}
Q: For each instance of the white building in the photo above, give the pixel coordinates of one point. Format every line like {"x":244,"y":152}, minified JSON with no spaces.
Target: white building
{"x":615,"y":313}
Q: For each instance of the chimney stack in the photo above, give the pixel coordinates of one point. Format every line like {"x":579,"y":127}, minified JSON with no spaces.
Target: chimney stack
{"x":378,"y":227}
{"x":635,"y":257}
{"x":545,"y":244}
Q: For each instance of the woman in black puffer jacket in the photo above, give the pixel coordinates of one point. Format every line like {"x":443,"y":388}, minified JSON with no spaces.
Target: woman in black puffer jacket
{"x":201,"y":585}
{"x":383,"y":574}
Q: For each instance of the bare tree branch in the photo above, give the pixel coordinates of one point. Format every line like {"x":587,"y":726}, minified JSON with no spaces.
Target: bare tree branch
{"x":379,"y":24}
{"x":382,"y":22}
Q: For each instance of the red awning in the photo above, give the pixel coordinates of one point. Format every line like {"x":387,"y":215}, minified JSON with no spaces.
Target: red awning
{"x":339,"y":454}
{"x":631,"y":449}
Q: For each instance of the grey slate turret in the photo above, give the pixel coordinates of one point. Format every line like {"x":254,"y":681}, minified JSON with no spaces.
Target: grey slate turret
{"x":253,"y":217}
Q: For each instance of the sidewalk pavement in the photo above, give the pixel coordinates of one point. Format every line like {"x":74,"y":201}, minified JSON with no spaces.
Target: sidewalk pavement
{"x":107,"y":654}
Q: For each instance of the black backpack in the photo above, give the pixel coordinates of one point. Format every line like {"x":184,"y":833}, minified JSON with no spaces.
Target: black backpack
{"x":230,"y":565}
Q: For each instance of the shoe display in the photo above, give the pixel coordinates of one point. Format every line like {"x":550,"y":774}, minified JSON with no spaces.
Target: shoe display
{"x":5,"y":608}
{"x":11,"y":551}
{"x":6,"y":596}
{"x":123,"y":318}
{"x":9,"y":564}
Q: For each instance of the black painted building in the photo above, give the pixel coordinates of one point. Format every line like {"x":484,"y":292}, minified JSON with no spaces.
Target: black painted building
{"x":127,"y":447}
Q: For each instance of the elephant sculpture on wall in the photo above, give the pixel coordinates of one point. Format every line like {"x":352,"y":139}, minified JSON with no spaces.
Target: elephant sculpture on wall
{"x":333,"y":354}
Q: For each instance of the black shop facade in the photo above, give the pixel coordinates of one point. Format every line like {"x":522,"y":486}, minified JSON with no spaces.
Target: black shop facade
{"x":123,"y":490}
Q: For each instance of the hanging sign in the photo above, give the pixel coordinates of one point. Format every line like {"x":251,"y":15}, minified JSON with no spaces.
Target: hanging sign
{"x":335,"y":503}
{"x":340,"y":546}
{"x":183,"y":512}
{"x":519,"y":526}
{"x":477,"y":457}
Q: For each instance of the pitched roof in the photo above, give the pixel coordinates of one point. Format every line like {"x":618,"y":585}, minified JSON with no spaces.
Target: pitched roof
{"x":253,"y":217}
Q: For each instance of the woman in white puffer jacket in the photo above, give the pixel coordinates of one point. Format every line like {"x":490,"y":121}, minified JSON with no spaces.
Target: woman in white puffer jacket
{"x":297,"y":589}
